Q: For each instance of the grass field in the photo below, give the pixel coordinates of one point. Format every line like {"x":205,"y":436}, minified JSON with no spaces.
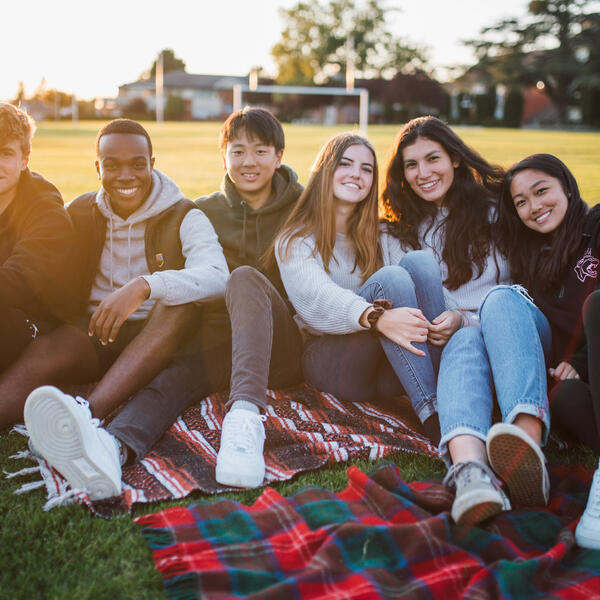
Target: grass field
{"x":67,"y":553}
{"x":188,"y":153}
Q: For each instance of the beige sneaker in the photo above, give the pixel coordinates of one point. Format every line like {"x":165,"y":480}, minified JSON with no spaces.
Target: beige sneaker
{"x":478,"y":493}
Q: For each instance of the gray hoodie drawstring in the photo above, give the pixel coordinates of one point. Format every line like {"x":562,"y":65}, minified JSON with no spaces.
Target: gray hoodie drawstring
{"x":129,"y":251}
{"x":112,"y":287}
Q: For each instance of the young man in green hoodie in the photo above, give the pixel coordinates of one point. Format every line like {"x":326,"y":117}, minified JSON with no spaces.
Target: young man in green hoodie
{"x":249,"y":341}
{"x":258,"y":195}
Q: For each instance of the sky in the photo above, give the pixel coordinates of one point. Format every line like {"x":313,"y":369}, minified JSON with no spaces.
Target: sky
{"x":90,"y":48}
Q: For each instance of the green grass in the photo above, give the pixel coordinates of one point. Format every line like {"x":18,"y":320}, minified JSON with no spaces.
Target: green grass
{"x":188,"y":152}
{"x":66,"y":553}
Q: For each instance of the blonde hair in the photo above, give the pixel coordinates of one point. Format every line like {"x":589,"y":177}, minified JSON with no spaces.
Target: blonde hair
{"x":314,"y":212}
{"x":16,"y":124}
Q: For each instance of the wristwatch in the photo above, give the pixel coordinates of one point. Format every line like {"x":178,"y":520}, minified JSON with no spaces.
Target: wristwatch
{"x":379,"y":306}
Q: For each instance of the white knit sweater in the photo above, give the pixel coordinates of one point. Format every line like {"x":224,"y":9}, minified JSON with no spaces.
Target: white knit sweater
{"x":469,"y":296}
{"x":328,"y":302}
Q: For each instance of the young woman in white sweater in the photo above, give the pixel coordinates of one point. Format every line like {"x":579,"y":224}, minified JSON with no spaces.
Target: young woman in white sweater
{"x":442,"y":197}
{"x":367,"y":308}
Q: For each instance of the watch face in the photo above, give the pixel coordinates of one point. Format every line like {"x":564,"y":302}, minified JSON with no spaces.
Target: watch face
{"x":374,"y":315}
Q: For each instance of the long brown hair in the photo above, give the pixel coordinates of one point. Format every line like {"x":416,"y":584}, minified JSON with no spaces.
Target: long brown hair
{"x":473,"y":194}
{"x":314,"y":213}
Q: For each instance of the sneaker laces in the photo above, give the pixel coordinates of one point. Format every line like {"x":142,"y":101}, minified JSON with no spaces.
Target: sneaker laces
{"x":243,"y":431}
{"x":450,"y":478}
{"x":83,"y":404}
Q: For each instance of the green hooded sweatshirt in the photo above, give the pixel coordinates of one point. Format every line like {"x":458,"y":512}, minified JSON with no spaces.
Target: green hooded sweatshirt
{"x":245,"y":235}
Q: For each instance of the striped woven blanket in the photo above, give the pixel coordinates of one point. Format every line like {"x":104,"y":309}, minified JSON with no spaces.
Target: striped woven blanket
{"x":305,"y":430}
{"x":377,"y":539}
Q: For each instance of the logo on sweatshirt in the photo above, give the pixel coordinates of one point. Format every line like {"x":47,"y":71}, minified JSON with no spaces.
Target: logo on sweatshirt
{"x":160,"y":260}
{"x":587,"y":266}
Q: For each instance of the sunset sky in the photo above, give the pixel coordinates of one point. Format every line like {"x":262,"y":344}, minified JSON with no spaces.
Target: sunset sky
{"x":91,"y":48}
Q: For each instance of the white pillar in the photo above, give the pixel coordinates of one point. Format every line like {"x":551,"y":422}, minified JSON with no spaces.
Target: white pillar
{"x":350,"y":64}
{"x":160,"y":113}
{"x":363,"y":120}
{"x":74,"y":109}
{"x":237,"y":97}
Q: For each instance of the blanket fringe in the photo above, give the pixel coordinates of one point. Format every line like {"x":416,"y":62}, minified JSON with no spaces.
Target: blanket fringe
{"x":27,"y":471}
{"x":20,"y":429}
{"x":28,"y":487}
{"x":65,"y":498}
{"x":21,"y":454}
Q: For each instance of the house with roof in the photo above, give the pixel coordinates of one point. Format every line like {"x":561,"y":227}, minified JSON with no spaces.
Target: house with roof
{"x":203,"y":96}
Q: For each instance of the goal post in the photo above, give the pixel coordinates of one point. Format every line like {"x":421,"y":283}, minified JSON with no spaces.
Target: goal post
{"x":361,"y":93}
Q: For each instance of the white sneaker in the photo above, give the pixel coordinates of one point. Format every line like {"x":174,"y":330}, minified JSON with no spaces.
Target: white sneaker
{"x":240,"y":462}
{"x":587,"y":533}
{"x":63,"y":431}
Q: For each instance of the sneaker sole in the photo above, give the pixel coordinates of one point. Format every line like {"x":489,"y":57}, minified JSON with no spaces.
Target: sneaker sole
{"x":56,"y":435}
{"x":591,"y":542}
{"x":520,"y":466}
{"x":233,"y":479}
{"x":480,"y":512}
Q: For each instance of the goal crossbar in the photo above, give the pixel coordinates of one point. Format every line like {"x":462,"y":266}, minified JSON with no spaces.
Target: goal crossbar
{"x":362,"y":93}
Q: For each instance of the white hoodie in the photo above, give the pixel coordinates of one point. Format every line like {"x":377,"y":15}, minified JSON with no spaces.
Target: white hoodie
{"x":124,"y":255}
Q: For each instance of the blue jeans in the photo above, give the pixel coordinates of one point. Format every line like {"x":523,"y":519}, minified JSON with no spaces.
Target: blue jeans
{"x":360,"y":367}
{"x":507,"y":353}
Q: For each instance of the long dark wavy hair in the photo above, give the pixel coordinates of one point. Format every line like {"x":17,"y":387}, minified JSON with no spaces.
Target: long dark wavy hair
{"x":468,"y":234}
{"x":540,"y":260}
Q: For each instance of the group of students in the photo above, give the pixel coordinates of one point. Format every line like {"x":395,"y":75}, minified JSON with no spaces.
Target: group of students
{"x":479,"y":288}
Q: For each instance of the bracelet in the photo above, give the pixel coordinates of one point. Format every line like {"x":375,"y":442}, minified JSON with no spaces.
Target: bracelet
{"x":379,"y":306}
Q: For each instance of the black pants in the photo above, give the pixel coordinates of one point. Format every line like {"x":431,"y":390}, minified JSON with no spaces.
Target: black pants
{"x":574,"y":403}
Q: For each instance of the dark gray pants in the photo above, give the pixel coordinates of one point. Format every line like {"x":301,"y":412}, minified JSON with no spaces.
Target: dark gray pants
{"x":264,"y":351}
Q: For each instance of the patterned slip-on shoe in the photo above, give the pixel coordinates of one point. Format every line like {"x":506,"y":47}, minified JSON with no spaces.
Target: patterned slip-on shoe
{"x":520,"y":463}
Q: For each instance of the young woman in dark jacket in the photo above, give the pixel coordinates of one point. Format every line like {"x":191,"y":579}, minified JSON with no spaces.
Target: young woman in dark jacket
{"x":552,"y":241}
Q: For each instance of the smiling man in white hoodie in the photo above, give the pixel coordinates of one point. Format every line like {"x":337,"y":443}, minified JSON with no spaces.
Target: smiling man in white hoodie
{"x":146,"y":256}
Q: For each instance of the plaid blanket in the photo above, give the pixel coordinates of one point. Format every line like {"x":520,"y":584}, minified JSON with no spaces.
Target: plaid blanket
{"x":305,"y":430}
{"x":378,"y":538}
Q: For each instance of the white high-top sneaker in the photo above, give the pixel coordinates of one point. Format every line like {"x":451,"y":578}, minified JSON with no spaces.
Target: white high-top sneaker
{"x":587,"y":534}
{"x":240,"y":461}
{"x":63,"y":431}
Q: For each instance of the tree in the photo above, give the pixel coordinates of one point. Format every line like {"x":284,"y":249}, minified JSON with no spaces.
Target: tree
{"x":170,"y":63}
{"x":552,"y":45}
{"x":136,"y":109}
{"x":175,"y":108}
{"x":20,"y":95}
{"x":315,"y":47}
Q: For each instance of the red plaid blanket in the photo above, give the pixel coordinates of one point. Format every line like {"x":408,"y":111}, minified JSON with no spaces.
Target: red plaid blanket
{"x":305,"y":430}
{"x":378,"y":538}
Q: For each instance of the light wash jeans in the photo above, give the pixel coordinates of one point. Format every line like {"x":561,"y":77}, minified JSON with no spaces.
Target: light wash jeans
{"x":507,"y":354}
{"x":354,"y":368}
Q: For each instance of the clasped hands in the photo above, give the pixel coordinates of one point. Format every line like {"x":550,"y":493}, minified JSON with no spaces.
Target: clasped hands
{"x":405,"y":326}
